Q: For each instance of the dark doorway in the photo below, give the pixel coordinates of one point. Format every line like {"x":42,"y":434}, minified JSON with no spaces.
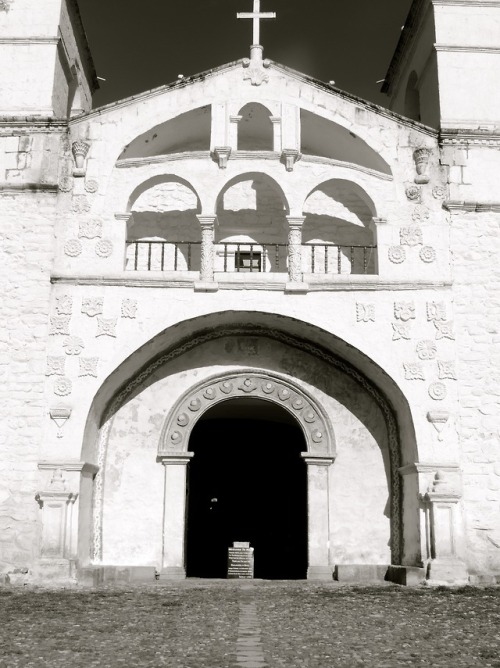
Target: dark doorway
{"x":247,"y":482}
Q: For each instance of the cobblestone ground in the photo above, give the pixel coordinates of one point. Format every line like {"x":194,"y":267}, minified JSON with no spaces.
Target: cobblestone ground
{"x":252,"y":624}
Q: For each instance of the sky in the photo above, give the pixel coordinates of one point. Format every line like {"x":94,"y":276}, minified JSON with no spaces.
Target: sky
{"x":141,"y":44}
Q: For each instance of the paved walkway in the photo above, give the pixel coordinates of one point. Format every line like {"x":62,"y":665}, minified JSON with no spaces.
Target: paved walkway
{"x":249,"y":624}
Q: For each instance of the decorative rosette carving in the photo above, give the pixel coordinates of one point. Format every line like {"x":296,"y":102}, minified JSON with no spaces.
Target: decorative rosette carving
{"x":104,"y":248}
{"x":427,"y":254}
{"x":73,"y":345}
{"x":437,"y":391}
{"x":62,"y":386}
{"x":426,"y":350}
{"x":91,"y":186}
{"x":396,"y":254}
{"x":66,"y":184}
{"x":73,"y":248}
{"x":414,"y":193}
{"x":439,"y":192}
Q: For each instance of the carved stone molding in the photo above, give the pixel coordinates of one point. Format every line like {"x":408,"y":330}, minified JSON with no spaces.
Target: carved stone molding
{"x":262,"y":385}
{"x":190,"y":343}
{"x":222,"y":155}
{"x":289,"y":157}
{"x":60,"y":415}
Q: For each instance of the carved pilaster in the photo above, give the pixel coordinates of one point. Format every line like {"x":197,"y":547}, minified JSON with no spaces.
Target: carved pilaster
{"x":295,"y":248}
{"x":207,"y":248}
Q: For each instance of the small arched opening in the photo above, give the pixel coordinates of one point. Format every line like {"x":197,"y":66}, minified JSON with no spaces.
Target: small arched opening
{"x":255,"y":129}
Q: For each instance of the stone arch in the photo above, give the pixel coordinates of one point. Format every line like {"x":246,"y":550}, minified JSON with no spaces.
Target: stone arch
{"x":247,"y":176}
{"x":311,"y":417}
{"x":158,"y":180}
{"x":394,"y":406}
{"x":255,"y":129}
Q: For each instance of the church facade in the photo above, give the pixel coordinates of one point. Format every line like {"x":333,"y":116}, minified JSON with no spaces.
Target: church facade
{"x":248,"y":306}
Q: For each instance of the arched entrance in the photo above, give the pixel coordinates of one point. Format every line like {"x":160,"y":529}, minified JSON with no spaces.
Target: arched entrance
{"x":247,"y":481}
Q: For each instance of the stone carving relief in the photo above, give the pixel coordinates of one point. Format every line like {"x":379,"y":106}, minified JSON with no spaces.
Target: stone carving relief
{"x":104,"y":248}
{"x":66,"y":184}
{"x":55,"y":366}
{"x":436,"y":311}
{"x":421,"y":156}
{"x":401,"y":330}
{"x":64,"y":305}
{"x":91,"y":186}
{"x":62,"y":386}
{"x":60,"y":415}
{"x":446,"y":370}
{"x":129,"y":308}
{"x":90,"y":229}
{"x":438,"y":419}
{"x":396,"y":254}
{"x":437,"y":391}
{"x":73,"y":248}
{"x":404,"y":311}
{"x":59,"y":324}
{"x":411,"y":236}
{"x":427,"y":254}
{"x":444,"y":330}
{"x":106,"y":327}
{"x":175,"y":436}
{"x":255,"y":71}
{"x":79,"y":150}
{"x":426,"y":350}
{"x":420,"y":214}
{"x":222,"y":155}
{"x":88,"y":366}
{"x":413,"y":371}
{"x":80,"y":204}
{"x":92,"y":306}
{"x":439,"y":192}
{"x":365,"y":312}
{"x":73,"y":345}
{"x":414,"y":193}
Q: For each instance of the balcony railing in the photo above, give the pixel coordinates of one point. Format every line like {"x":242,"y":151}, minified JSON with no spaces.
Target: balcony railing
{"x":249,"y":257}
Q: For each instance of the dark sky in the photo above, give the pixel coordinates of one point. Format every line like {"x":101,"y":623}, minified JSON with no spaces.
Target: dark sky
{"x":141,"y":44}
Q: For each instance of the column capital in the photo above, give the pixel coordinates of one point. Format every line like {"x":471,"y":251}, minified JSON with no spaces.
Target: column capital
{"x":206,"y":221}
{"x":235,"y":118}
{"x":317,"y":460}
{"x":176,"y":458}
{"x":295,"y":221}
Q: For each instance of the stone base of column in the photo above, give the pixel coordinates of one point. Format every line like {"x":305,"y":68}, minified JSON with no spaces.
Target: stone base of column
{"x":320,"y":573}
{"x":447,"y":572}
{"x":410,"y":576}
{"x":173,"y":573}
{"x":55,"y":570}
{"x":206,"y":286}
{"x":296,"y":287}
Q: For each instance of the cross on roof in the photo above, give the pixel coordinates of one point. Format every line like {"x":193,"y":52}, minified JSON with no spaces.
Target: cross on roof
{"x":256,"y":15}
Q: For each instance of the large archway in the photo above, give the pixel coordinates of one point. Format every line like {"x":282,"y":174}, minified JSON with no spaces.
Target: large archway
{"x":247,"y":481}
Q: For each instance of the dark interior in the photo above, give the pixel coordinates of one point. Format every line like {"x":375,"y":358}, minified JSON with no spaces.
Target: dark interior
{"x":247,"y":482}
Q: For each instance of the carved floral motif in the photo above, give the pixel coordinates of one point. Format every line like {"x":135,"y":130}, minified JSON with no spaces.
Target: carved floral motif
{"x":55,"y":366}
{"x":129,"y":308}
{"x":365,"y":312}
{"x":404,"y":311}
{"x":64,"y":305}
{"x":414,"y":193}
{"x":401,"y":330}
{"x":427,"y":254}
{"x":88,"y":366}
{"x":66,"y":184}
{"x":73,"y":345}
{"x":106,"y":327}
{"x":444,"y":330}
{"x":92,"y":306}
{"x":439,"y":192}
{"x":73,"y":248}
{"x":420,"y":214}
{"x":411,"y":236}
{"x":59,"y":324}
{"x":91,"y":186}
{"x":104,"y":248}
{"x":396,"y":254}
{"x":446,"y":370}
{"x":255,"y":72}
{"x":90,"y":229}
{"x":62,"y":386}
{"x":436,"y":311}
{"x":80,"y":204}
{"x":426,"y":350}
{"x":437,"y":391}
{"x":413,"y":371}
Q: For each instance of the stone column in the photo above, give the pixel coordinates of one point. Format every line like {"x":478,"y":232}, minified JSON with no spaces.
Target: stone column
{"x":233,"y":131}
{"x":276,"y":121}
{"x":295,"y":224}
{"x":56,"y":551}
{"x":174,"y":515}
{"x":206,"y":283}
{"x":318,"y":525}
{"x":445,"y":533}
